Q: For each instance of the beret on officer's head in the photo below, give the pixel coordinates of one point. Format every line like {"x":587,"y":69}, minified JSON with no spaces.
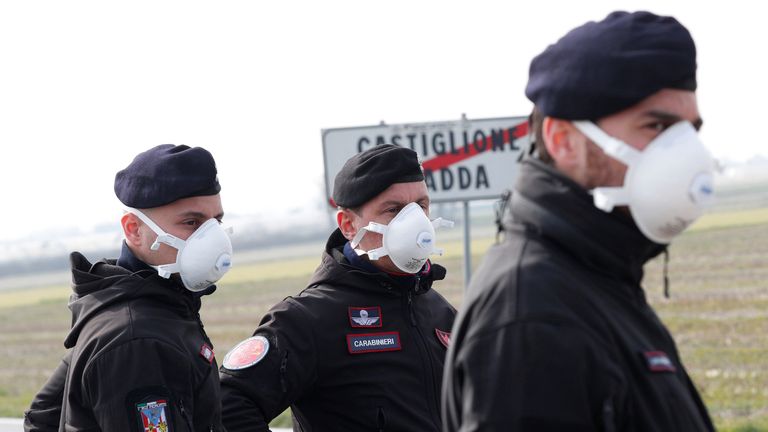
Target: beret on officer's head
{"x":367,"y":174}
{"x":166,"y":173}
{"x":601,"y":68}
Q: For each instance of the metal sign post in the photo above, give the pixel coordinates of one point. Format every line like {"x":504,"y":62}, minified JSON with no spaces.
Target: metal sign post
{"x":463,"y":160}
{"x":467,"y":247}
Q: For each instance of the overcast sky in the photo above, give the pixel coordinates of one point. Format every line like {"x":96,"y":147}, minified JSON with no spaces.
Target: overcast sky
{"x":86,"y":85}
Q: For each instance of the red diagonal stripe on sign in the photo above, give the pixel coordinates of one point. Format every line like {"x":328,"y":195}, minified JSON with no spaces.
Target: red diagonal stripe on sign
{"x":448,"y":159}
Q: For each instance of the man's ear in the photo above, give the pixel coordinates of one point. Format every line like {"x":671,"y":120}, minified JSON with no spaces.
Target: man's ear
{"x":131,"y":224}
{"x":345,"y":219}
{"x":566,"y":145}
{"x":558,"y":138}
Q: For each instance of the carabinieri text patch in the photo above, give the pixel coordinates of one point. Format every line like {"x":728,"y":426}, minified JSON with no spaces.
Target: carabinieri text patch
{"x":373,"y":342}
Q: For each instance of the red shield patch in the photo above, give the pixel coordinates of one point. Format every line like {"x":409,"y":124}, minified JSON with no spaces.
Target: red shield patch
{"x":247,"y":353}
{"x":443,"y":337}
{"x":207,"y":353}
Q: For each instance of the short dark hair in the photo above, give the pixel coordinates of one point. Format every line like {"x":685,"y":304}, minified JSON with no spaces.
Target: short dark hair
{"x":536,"y":128}
{"x":356,"y":210}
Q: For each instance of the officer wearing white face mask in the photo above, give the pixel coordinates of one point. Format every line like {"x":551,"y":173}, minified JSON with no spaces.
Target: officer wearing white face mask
{"x":138,"y":357}
{"x":557,"y":315}
{"x":362,"y":347}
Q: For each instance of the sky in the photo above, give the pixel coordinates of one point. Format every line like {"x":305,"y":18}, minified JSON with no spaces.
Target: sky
{"x":86,"y":85}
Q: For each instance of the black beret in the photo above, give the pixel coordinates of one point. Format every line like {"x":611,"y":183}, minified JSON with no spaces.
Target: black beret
{"x":369,"y":173}
{"x":604,"y":67}
{"x":166,"y":173}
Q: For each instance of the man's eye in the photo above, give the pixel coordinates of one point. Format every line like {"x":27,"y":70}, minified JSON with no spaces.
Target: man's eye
{"x":658,"y":126}
{"x":392,"y":210}
{"x":191,"y":222}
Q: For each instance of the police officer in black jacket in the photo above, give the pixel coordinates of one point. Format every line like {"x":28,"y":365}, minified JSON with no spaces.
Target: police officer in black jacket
{"x":555,"y":333}
{"x":138,"y":356}
{"x":362,"y":347}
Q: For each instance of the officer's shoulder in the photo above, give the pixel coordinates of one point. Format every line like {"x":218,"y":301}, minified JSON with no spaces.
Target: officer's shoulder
{"x":519,"y":280}
{"x":521,"y":262}
{"x":123,"y":353}
{"x":310,"y":301}
{"x":319,"y":293}
{"x":318,"y":302}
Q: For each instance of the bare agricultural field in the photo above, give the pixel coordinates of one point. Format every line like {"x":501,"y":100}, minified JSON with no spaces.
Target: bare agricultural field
{"x":718,"y":314}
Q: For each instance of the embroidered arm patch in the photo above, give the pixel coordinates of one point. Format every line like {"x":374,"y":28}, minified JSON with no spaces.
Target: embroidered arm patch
{"x":151,"y":409}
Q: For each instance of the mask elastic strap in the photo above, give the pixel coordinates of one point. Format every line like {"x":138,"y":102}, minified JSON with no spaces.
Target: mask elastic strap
{"x":442,"y":223}
{"x":606,"y":198}
{"x":162,"y":236}
{"x":373,"y":254}
{"x":166,"y":270}
{"x":613,"y":147}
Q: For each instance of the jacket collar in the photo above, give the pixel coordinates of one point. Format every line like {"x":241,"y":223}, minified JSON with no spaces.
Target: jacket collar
{"x":129,"y":261}
{"x":97,"y":286}
{"x":547,"y":202}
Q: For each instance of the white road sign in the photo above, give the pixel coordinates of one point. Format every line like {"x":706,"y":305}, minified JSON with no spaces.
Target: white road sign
{"x":463,"y":160}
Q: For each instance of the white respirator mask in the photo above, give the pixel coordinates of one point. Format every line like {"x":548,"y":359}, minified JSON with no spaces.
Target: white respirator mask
{"x":202,"y":259}
{"x":667,"y":186}
{"x":408,"y":239}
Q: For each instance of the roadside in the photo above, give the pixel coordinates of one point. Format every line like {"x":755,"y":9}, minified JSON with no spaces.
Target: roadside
{"x":16,"y":425}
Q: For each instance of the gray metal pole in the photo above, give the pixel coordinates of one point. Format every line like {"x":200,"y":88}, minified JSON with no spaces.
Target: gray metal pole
{"x":467,"y":247}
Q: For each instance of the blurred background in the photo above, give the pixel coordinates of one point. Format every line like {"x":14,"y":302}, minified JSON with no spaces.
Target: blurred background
{"x":87,"y":85}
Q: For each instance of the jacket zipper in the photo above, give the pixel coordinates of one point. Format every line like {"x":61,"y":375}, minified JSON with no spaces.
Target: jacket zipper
{"x":283,"y":368}
{"x":381,"y":420}
{"x":410,"y":307}
{"x":201,"y":327}
{"x":609,"y":424}
{"x":433,"y":399}
{"x":185,"y":414}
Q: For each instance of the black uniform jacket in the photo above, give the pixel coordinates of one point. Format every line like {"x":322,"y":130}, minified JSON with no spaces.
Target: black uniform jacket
{"x":355,"y":351}
{"x":44,"y":414}
{"x":556,"y":334}
{"x":138,"y":357}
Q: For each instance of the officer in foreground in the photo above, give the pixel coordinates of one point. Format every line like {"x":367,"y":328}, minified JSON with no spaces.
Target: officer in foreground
{"x":555,"y":333}
{"x":138,"y":357}
{"x":362,"y":347}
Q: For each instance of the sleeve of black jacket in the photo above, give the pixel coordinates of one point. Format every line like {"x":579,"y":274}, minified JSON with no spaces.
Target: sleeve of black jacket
{"x":253,"y":396}
{"x":139,"y":371}
{"x":527,"y":376}
{"x":45,"y":411}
